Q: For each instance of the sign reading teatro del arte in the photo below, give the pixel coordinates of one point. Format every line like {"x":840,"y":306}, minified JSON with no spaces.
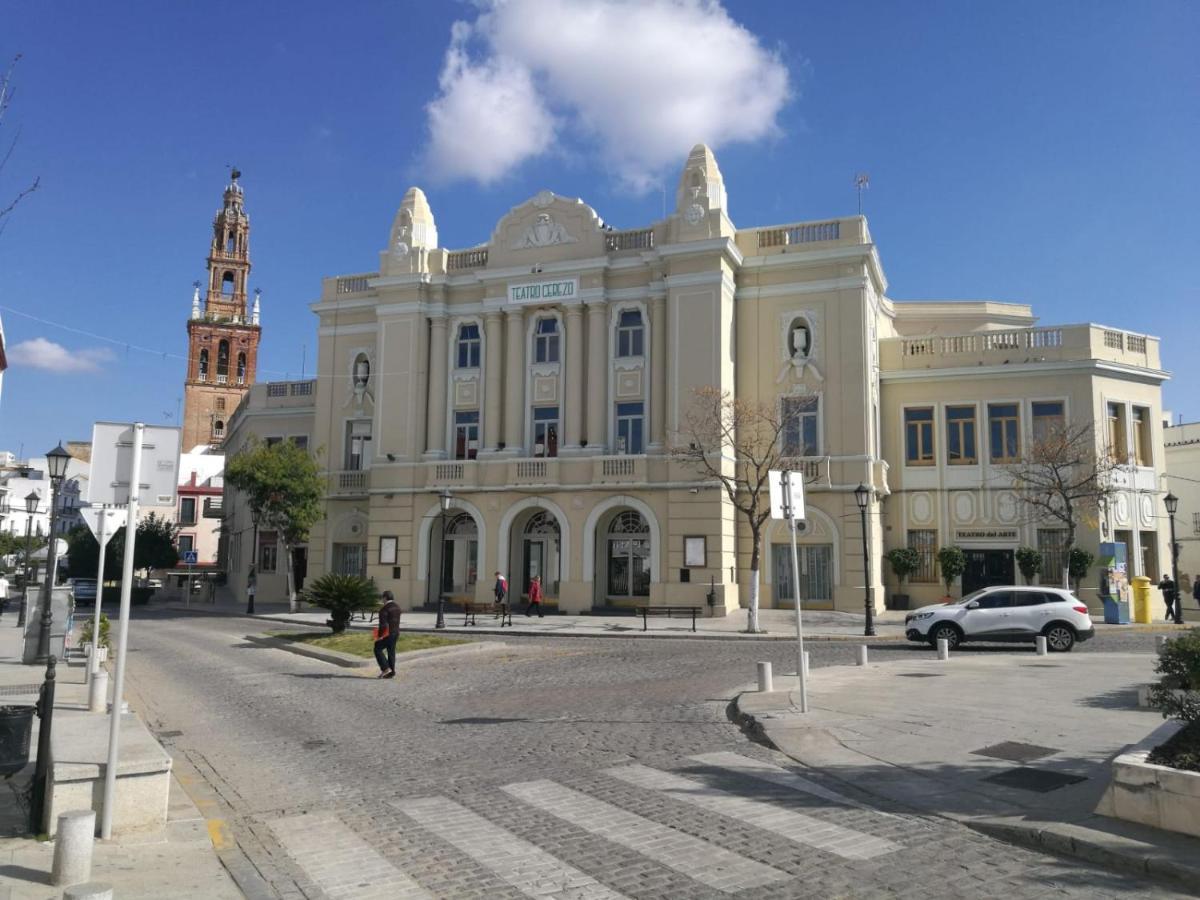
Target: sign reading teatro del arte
{"x":544,"y":291}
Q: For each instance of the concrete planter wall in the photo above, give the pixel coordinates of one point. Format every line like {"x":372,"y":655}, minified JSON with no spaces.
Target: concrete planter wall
{"x":1153,"y":795}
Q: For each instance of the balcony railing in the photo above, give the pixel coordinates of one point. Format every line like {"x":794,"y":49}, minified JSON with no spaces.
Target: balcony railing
{"x":350,"y":481}
{"x":619,"y":469}
{"x":636,"y":239}
{"x":458,"y":260}
{"x":449,"y":472}
{"x":353,"y":284}
{"x":222,"y":379}
{"x":799,"y":234}
{"x":1018,"y":339}
{"x":213,"y":507}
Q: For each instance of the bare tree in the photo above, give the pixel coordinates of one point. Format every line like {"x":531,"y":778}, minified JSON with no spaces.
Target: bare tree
{"x":6,"y":97}
{"x":737,"y":443}
{"x":1063,"y":477}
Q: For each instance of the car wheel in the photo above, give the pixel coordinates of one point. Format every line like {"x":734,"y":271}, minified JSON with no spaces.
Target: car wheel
{"x":1060,"y":638}
{"x":949,"y":632}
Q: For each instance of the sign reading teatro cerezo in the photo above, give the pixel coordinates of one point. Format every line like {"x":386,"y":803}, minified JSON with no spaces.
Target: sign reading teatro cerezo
{"x":544,"y":291}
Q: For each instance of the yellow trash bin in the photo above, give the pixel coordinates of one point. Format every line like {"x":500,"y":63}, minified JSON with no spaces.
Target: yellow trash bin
{"x":1141,"y":599}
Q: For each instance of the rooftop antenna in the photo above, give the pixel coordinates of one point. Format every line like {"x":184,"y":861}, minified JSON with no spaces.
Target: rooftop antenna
{"x":862,"y":181}
{"x":303,"y":359}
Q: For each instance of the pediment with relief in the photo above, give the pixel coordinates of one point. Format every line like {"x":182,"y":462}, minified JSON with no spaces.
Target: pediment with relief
{"x":551,"y":226}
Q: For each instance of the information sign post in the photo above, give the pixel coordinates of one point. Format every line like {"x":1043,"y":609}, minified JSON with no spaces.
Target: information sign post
{"x":787,"y":503}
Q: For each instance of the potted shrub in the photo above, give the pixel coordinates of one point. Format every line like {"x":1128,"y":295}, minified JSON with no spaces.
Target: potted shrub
{"x":1079,"y":561}
{"x":85,"y":636}
{"x":953,"y":562}
{"x":342,"y":595}
{"x":905,"y":561}
{"x":1177,"y":696}
{"x":1029,"y":561}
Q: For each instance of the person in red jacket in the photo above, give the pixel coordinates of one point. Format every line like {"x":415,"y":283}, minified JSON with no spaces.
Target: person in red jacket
{"x":386,"y":634}
{"x":535,"y":596}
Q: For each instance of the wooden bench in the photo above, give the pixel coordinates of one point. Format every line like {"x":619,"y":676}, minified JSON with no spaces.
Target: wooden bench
{"x":471,"y":607}
{"x":646,"y":611}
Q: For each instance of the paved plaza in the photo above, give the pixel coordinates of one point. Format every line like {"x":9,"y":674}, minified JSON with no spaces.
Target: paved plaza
{"x":555,"y":767}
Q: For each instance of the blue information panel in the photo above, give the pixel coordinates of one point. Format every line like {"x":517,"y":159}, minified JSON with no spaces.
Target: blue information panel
{"x":190,"y":557}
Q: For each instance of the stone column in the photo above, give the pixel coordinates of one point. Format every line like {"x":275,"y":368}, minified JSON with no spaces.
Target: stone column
{"x":658,"y":373}
{"x":493,"y":388}
{"x":514,"y":382}
{"x":438,"y":348}
{"x":572,"y":403}
{"x":597,"y":387}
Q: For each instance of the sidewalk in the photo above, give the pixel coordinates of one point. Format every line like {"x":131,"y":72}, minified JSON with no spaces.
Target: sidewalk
{"x":1012,"y":744}
{"x":778,"y":624}
{"x":178,"y":860}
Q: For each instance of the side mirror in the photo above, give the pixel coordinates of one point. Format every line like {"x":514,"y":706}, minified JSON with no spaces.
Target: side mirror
{"x":974,"y":604}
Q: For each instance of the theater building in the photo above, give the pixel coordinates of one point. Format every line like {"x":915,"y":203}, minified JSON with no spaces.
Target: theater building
{"x":540,"y":377}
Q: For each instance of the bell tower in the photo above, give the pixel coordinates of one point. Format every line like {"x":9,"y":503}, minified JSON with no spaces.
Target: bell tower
{"x":223,"y":332}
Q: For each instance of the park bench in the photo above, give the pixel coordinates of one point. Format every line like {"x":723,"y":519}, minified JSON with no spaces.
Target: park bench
{"x":646,"y":611}
{"x":471,"y":607}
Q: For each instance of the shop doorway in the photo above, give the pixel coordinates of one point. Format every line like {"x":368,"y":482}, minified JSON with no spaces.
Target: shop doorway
{"x":986,"y":568}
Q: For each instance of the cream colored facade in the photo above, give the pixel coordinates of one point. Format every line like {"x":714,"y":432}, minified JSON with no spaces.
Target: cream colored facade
{"x":444,"y":370}
{"x":1183,"y":480}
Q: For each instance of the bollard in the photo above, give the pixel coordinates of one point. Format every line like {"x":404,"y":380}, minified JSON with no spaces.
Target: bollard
{"x":862,"y":654}
{"x":765,"y":682}
{"x":73,"y":847}
{"x":943,"y":649}
{"x":98,"y":692}
{"x":93,"y":890}
{"x":1042,"y":649}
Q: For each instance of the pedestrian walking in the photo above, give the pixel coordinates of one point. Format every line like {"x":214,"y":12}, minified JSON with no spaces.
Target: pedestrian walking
{"x":251,"y":590}
{"x":3,"y":594}
{"x":500,"y":589}
{"x":386,"y":635}
{"x":1170,"y":595}
{"x":535,"y":596}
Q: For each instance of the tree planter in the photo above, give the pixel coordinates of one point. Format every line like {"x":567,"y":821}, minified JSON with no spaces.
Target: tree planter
{"x":1158,"y":796}
{"x":898,"y":601}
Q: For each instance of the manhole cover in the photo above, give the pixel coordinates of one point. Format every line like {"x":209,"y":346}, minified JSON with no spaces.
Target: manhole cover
{"x":169,"y":734}
{"x":315,"y":745}
{"x":1015,"y":751}
{"x":1040,"y":781}
{"x":920,"y":674}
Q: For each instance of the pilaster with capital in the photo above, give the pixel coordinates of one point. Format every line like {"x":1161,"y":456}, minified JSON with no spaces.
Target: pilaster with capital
{"x":573,"y":402}
{"x":597,"y":386}
{"x":658,"y":372}
{"x":493,"y":379}
{"x":514,"y":381}
{"x":438,"y":349}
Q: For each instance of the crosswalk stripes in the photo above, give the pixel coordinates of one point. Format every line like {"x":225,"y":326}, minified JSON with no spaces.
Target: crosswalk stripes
{"x":765,"y":771}
{"x":528,"y":868}
{"x":707,"y":863}
{"x":341,"y":862}
{"x":793,"y":826}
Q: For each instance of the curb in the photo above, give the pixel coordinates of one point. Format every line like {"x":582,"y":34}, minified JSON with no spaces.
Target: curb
{"x":1059,"y":838}
{"x":349,"y":661}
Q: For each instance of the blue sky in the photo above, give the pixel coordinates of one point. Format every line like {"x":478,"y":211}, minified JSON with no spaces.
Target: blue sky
{"x":1022,"y":151}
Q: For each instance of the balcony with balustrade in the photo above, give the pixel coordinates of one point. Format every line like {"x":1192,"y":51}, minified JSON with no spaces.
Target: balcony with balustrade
{"x":803,"y":236}
{"x":1020,"y":346}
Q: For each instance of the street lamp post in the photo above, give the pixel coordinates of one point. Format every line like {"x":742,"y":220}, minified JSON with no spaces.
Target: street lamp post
{"x":862,"y":496}
{"x":1172,"y":504}
{"x":444,"y":498}
{"x":31,"y":505}
{"x":56,"y":462}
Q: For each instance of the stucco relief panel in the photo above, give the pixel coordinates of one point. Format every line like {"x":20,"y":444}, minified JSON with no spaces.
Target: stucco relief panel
{"x":920,"y":509}
{"x":466,"y":393}
{"x":629,"y":384}
{"x":1007,"y":508}
{"x":1146,"y":509}
{"x":963,"y":507}
{"x":545,"y":388}
{"x":1121,"y":517}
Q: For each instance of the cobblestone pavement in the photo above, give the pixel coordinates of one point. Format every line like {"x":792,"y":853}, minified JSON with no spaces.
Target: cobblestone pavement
{"x":556,"y":768}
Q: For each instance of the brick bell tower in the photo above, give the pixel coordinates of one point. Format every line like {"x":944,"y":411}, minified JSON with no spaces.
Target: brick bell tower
{"x":223,"y":334}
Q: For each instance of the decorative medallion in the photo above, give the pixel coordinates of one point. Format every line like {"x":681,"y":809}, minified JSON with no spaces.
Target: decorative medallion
{"x":694,"y":214}
{"x":400,"y":250}
{"x":544,"y":232}
{"x":542,"y":199}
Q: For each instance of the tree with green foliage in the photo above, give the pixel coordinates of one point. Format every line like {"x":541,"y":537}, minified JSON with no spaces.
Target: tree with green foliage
{"x":342,"y":595}
{"x":1029,"y":561}
{"x":905,"y":561}
{"x":12,"y":547}
{"x":283,"y":488}
{"x":153,"y":548}
{"x":1079,"y":561}
{"x":953,"y":562}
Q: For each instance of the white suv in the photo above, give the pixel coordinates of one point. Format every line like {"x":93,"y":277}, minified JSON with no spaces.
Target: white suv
{"x":1005,"y":613}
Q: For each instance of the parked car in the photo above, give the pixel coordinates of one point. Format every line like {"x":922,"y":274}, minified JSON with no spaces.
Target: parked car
{"x":84,"y":591}
{"x":1007,"y":613}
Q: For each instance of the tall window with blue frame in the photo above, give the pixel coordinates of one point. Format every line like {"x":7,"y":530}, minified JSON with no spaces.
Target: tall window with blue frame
{"x":631,"y":419}
{"x":468,"y":346}
{"x":631,"y":334}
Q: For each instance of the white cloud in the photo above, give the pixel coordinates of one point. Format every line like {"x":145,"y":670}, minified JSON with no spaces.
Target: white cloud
{"x":40,"y":353}
{"x":637,"y":82}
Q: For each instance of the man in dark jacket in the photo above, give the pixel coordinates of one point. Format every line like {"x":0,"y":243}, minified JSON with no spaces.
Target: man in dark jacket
{"x":386,"y":634}
{"x":1170,"y":596}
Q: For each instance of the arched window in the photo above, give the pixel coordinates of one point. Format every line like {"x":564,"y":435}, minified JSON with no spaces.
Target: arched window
{"x":218,"y":429}
{"x":468,"y":346}
{"x":241,"y":368}
{"x":222,"y":361}
{"x":628,"y":557}
{"x":541,"y":553}
{"x":631,"y":334}
{"x":545,"y":341}
{"x":460,"y":555}
{"x":230,"y":242}
{"x":204,"y":365}
{"x":227,"y":284}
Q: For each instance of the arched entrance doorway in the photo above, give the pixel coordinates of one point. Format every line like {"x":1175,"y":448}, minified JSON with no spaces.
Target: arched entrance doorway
{"x":536,"y":550}
{"x":624,"y":553}
{"x":455,"y":557}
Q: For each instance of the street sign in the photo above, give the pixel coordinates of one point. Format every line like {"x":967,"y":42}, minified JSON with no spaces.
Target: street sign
{"x":787,"y":495}
{"x":190,"y":557}
{"x":112,"y":456}
{"x":114,"y":519}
